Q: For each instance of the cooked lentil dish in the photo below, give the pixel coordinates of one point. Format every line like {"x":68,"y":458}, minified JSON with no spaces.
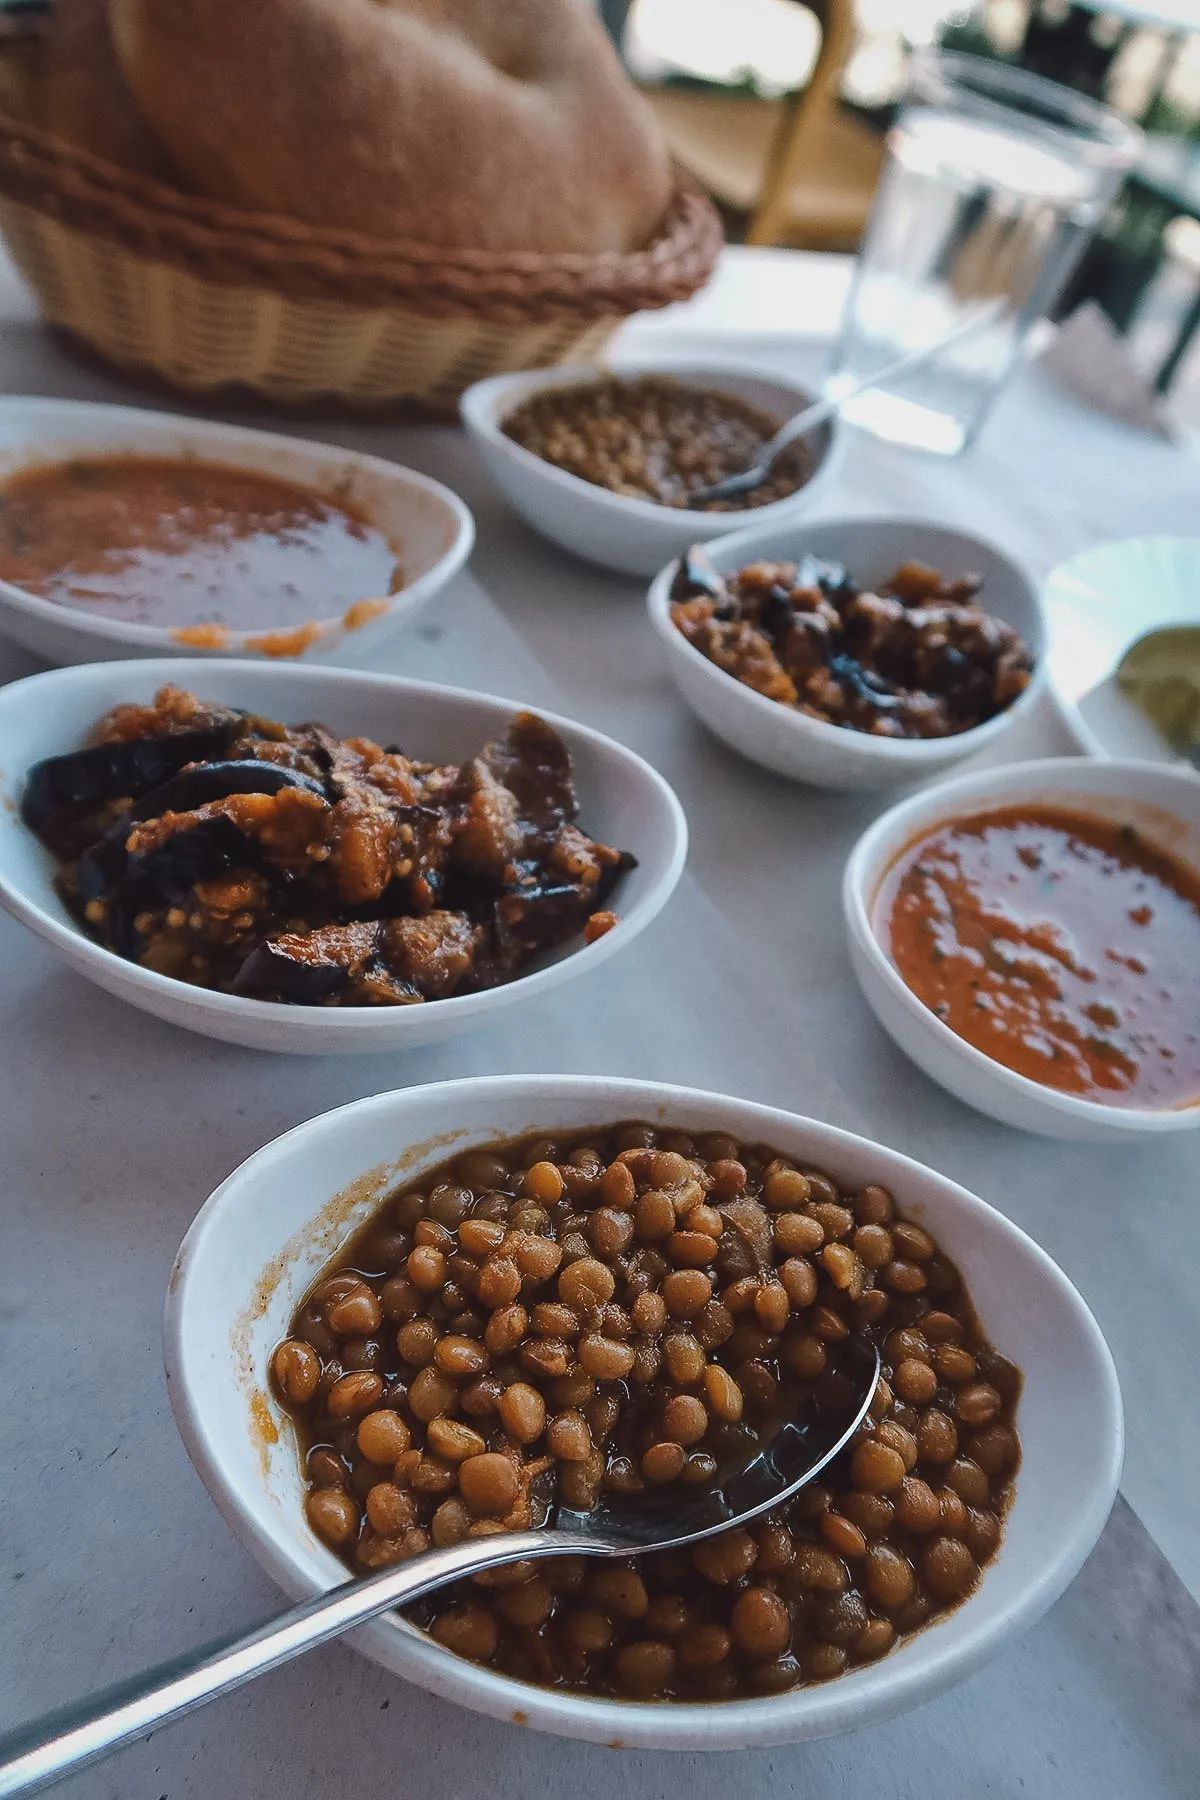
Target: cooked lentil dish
{"x":651,"y":438}
{"x":920,"y":658}
{"x":175,"y":542}
{"x":597,"y":1315}
{"x":285,"y":863}
{"x":1063,"y":945}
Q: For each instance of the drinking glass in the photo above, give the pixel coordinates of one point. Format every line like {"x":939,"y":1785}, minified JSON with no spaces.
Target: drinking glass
{"x":994,"y":181}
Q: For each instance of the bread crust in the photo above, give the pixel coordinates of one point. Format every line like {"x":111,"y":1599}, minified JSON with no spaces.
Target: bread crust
{"x":498,"y":124}
{"x":83,"y":96}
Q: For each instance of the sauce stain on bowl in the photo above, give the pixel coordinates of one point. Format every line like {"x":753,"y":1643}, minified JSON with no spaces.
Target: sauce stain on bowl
{"x":1065,"y":946}
{"x":189,"y":546}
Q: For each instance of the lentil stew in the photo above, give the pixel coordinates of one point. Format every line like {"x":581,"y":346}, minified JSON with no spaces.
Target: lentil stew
{"x":652,"y":438}
{"x":285,"y":863}
{"x":600,"y":1314}
{"x":919,"y":658}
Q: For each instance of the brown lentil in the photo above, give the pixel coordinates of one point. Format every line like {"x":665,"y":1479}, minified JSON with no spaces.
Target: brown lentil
{"x":651,"y":438}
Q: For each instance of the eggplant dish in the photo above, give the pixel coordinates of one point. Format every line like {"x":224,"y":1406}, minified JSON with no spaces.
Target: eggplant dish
{"x":917,"y":658}
{"x":285,"y":863}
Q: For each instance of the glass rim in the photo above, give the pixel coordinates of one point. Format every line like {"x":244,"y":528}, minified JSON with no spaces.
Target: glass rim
{"x":1034,"y":100}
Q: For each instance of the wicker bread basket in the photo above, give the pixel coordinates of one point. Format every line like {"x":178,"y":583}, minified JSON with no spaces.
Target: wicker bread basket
{"x":209,"y":297}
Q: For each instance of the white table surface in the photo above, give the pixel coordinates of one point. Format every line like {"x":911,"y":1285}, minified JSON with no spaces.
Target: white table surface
{"x":116,"y":1127}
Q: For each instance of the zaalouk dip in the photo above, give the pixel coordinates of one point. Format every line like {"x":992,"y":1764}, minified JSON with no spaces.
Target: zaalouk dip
{"x":1065,"y":946}
{"x":192,"y":547}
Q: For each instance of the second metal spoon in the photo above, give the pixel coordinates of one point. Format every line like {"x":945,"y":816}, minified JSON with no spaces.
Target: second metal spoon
{"x":803,"y":422}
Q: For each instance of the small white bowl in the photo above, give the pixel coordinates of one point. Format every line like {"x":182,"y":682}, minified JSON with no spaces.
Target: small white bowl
{"x":259,"y":1242}
{"x":805,"y":749}
{"x":429,"y":528}
{"x":1098,"y":604}
{"x":1164,"y":804}
{"x":634,"y":537}
{"x":623,"y":801}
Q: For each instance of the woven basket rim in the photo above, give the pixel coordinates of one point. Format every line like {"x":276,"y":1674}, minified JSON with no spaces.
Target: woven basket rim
{"x":234,"y":247}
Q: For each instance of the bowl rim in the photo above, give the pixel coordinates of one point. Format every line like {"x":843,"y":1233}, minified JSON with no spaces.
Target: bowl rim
{"x":821,"y":1710}
{"x":866,"y":868}
{"x":213,"y":433}
{"x":350,"y":1021}
{"x":918,"y":753}
{"x":479,"y":418}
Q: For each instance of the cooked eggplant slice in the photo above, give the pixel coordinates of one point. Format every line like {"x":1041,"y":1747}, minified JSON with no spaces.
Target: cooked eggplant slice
{"x":829,"y":578}
{"x":193,"y":787}
{"x":306,"y":968}
{"x":127,"y":769}
{"x":697,"y":574}
{"x":161,"y":877}
{"x":612,"y":873}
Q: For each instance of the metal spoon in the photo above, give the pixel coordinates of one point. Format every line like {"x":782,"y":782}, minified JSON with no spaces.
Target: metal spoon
{"x":803,"y":422}
{"x":68,"y":1740}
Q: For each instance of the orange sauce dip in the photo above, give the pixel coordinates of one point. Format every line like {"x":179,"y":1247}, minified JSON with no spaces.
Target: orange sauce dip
{"x":1064,"y":946}
{"x":175,"y":542}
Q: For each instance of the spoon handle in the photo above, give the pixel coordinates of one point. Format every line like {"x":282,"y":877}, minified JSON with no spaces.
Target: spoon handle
{"x":815,"y":415}
{"x":68,"y":1740}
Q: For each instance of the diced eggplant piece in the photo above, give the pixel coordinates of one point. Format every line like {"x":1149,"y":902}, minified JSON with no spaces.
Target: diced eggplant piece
{"x":832,"y":579}
{"x":611,"y":873}
{"x":535,"y":918}
{"x":161,"y":877}
{"x":433,"y":955}
{"x":130,"y":767}
{"x":865,"y":685}
{"x":306,"y":968}
{"x":696,"y":575}
{"x":423,"y":835}
{"x":777,"y":615}
{"x":195,"y":853}
{"x":193,"y":787}
{"x":521,"y":794}
{"x":103,"y":863}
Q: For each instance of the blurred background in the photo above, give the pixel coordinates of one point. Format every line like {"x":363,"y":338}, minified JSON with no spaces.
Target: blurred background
{"x":780,"y":110}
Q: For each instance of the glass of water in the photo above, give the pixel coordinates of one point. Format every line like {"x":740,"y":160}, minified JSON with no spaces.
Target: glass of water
{"x":994,"y":181}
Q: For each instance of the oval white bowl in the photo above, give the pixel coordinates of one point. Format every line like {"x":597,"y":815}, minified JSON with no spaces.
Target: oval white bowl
{"x":623,"y":801}
{"x":258,"y":1243}
{"x":1098,"y":604}
{"x":1163,"y":803}
{"x":429,"y":527}
{"x":810,"y":750}
{"x":635,"y":537}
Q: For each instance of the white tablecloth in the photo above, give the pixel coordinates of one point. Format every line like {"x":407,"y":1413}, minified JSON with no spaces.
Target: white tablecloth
{"x":117,"y":1127}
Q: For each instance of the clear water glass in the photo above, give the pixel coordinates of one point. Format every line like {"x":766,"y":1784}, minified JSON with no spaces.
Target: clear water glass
{"x":995,"y":180}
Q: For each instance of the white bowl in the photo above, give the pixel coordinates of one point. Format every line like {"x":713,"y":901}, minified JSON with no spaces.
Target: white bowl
{"x":258,"y":1243}
{"x":1097,"y":606}
{"x":790,"y":742}
{"x":633,"y":536}
{"x":623,"y":801}
{"x":1163,"y":803}
{"x":429,"y":528}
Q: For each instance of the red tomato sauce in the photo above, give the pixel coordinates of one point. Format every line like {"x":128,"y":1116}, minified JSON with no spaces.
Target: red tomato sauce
{"x":1066,"y":947}
{"x":175,"y":542}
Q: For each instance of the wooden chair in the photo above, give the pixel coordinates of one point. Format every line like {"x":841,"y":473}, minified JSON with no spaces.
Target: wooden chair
{"x":800,"y":170}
